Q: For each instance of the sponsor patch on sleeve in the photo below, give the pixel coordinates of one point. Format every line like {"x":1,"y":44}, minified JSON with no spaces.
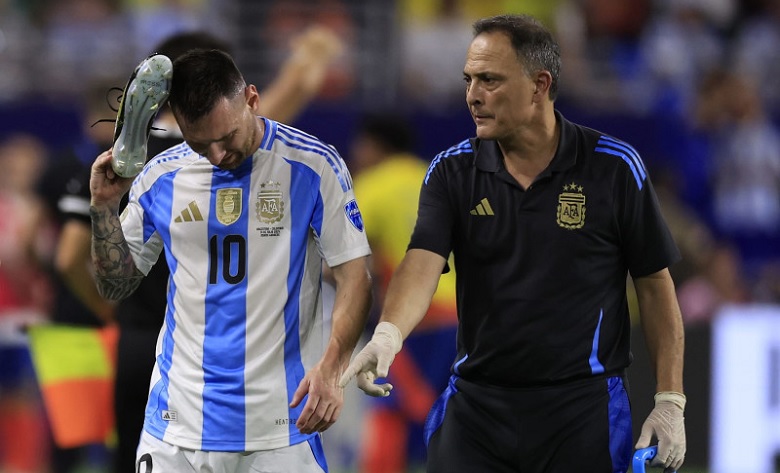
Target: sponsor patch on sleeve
{"x":353,"y":214}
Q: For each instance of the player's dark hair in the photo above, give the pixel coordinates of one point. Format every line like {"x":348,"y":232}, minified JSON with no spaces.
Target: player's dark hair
{"x":201,"y":78}
{"x":534,"y":44}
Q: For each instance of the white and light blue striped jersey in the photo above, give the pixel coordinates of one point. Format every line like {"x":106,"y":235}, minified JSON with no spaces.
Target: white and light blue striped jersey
{"x":244,"y":317}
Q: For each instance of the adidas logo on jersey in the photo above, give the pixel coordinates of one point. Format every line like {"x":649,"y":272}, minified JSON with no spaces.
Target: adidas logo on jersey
{"x":190,"y":214}
{"x":483,"y":208}
{"x":170,"y":416}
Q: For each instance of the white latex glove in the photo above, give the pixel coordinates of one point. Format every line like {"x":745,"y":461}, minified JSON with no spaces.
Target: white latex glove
{"x":667,"y":424}
{"x":374,"y":361}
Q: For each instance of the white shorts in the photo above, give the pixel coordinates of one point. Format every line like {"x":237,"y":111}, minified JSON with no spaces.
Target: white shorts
{"x":156,"y":456}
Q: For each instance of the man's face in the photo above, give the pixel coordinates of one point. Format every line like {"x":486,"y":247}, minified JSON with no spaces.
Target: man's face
{"x":228,"y":134}
{"x":499,"y":92}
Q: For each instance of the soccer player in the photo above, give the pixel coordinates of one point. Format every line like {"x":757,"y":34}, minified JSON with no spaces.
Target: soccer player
{"x":246,"y":211}
{"x":141,"y":314}
{"x":545,"y":219}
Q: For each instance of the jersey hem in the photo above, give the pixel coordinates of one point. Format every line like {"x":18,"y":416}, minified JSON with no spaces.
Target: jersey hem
{"x":223,"y":446}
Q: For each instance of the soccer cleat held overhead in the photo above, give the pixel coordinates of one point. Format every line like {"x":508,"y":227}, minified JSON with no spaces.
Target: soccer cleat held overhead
{"x":143,"y":97}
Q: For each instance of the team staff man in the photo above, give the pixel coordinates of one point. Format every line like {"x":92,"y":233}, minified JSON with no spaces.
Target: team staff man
{"x":246,"y":210}
{"x":545,"y":219}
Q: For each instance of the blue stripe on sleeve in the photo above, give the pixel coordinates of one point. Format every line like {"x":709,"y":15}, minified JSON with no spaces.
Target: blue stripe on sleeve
{"x":148,"y":222}
{"x":176,"y":152}
{"x":629,"y":150}
{"x":462,"y":147}
{"x":628,"y":161}
{"x":627,"y":153}
{"x":302,"y":141}
{"x":306,"y":138}
{"x":158,"y":207}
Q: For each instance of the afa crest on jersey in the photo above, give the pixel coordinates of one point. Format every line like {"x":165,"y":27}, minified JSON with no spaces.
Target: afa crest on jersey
{"x":571,"y":207}
{"x":270,"y":202}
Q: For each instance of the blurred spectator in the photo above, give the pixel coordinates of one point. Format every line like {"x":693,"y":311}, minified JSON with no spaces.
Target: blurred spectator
{"x":543,"y":11}
{"x":387,"y":180}
{"x":72,"y":262}
{"x":24,"y":299}
{"x":432,"y":55}
{"x":19,"y":41}
{"x":747,"y":171}
{"x":83,"y":40}
{"x":25,"y":235}
{"x":756,"y":52}
{"x":286,"y":19}
{"x":152,"y":21}
{"x":721,"y":281}
{"x":303,"y":74}
{"x":417,"y":11}
{"x":683,"y":41}
{"x":689,"y":143}
{"x":76,"y":300}
{"x":693,"y":236}
{"x":600,"y":45}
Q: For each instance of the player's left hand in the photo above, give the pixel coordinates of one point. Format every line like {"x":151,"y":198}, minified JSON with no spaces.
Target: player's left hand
{"x":324,"y":403}
{"x":667,"y":423}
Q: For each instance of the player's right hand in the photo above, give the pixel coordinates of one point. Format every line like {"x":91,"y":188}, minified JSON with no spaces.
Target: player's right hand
{"x":374,"y":361}
{"x":105,"y":186}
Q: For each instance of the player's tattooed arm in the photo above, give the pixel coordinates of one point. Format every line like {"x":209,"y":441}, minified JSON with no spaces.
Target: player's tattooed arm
{"x":115,"y":271}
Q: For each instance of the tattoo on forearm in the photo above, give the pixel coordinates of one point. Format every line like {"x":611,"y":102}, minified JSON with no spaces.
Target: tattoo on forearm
{"x":115,"y":271}
{"x":116,"y":289}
